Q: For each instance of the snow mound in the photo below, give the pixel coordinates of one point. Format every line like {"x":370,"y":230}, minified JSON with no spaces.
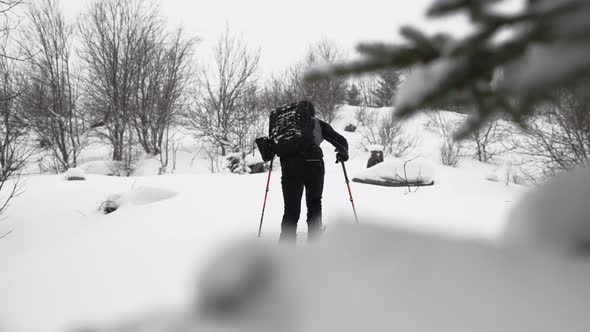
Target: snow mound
{"x":398,"y":172}
{"x":99,"y":167}
{"x":75,"y":174}
{"x":396,"y":280}
{"x":137,"y":196}
{"x":554,"y":216}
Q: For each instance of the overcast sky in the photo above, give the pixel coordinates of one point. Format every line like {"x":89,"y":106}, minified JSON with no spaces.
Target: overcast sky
{"x":283,"y":30}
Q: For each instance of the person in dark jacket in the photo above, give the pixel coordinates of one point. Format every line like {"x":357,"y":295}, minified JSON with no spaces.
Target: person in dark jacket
{"x":306,"y":171}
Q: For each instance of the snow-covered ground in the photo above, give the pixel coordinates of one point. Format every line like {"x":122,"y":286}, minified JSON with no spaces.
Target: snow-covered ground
{"x":65,"y":264}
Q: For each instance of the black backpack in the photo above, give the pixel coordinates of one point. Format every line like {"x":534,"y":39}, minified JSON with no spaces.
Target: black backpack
{"x":291,"y":128}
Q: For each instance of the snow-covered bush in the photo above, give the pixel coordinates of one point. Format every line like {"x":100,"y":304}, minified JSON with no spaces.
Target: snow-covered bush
{"x":255,"y":163}
{"x":236,"y":163}
{"x":75,"y":174}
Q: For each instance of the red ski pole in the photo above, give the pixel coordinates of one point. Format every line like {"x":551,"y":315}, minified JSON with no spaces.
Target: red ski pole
{"x":265,"y":197}
{"x":349,"y":192}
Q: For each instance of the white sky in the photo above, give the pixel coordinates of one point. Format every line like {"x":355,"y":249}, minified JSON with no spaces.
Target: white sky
{"x":284,"y":29}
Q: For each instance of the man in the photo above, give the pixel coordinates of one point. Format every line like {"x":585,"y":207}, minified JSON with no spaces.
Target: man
{"x":306,"y":170}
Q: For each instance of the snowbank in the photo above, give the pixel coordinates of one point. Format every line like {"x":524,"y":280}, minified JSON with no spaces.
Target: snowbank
{"x":137,"y":196}
{"x":398,"y":172}
{"x":367,"y":278}
{"x":99,"y":167}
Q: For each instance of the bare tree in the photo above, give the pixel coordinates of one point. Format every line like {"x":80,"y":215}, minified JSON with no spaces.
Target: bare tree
{"x":224,"y":108}
{"x":165,"y":74}
{"x":489,"y":140}
{"x":115,"y":35}
{"x":557,"y":137}
{"x":282,"y":89}
{"x":385,"y":130}
{"x":9,"y":21}
{"x":327,"y":94}
{"x":14,"y":137}
{"x":51,"y":101}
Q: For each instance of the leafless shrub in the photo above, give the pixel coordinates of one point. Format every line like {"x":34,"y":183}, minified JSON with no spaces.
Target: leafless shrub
{"x":489,"y":140}
{"x":451,"y":150}
{"x":385,"y":130}
{"x":557,"y":136}
{"x":215,"y":159}
{"x":228,"y":106}
{"x":170,"y":145}
{"x":450,"y":153}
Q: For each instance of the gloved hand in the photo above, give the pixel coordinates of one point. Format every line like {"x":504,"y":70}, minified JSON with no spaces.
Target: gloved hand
{"x":341,"y":157}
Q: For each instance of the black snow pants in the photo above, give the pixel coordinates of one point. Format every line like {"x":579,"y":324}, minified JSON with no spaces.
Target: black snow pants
{"x":302,"y":173}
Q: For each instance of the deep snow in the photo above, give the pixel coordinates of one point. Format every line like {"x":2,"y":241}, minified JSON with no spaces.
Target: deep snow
{"x":66,"y":264}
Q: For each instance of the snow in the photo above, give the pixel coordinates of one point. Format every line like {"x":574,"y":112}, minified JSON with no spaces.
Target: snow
{"x":141,"y":196}
{"x":96,"y":167}
{"x":66,"y":264}
{"x":368,"y":278}
{"x":75,"y":174}
{"x":555,"y":217}
{"x":400,"y":172}
{"x":375,"y":148}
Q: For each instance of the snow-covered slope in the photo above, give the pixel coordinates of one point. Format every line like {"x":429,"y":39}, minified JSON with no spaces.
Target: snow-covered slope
{"x":66,"y":264}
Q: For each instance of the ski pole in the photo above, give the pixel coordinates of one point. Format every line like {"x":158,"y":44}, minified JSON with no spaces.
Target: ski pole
{"x":265,"y":197}
{"x":349,"y":192}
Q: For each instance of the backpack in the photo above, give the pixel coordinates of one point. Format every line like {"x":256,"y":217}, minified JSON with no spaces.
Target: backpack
{"x":291,"y":128}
